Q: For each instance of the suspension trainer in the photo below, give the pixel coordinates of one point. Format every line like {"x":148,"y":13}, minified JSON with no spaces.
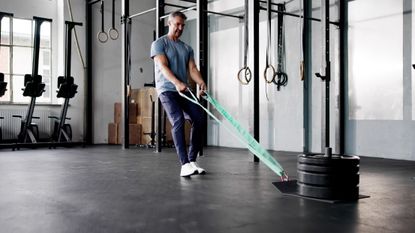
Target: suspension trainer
{"x":245,"y":69}
{"x":281,"y":78}
{"x":102,"y":35}
{"x":113,"y":32}
{"x":268,"y":65}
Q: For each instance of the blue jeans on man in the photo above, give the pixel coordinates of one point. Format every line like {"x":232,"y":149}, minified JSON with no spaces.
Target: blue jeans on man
{"x":178,"y":110}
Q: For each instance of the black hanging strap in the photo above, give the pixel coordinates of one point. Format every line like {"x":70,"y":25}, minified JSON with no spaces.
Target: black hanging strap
{"x":268,"y":66}
{"x":247,"y":74}
{"x":281,"y":76}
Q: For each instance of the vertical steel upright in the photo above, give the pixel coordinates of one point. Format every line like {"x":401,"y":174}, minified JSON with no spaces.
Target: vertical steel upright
{"x":159,"y":32}
{"x":89,"y":121}
{"x":343,"y":82}
{"x":307,"y":85}
{"x":255,"y":30}
{"x":203,"y":34}
{"x":327,"y":73}
{"x":125,"y":82}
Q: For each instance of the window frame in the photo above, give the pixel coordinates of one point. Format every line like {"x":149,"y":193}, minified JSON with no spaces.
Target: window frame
{"x":12,"y":74}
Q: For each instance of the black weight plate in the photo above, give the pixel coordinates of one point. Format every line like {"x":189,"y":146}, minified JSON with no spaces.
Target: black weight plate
{"x":319,"y":159}
{"x":328,"y":179}
{"x":328,"y":169}
{"x":351,"y":193}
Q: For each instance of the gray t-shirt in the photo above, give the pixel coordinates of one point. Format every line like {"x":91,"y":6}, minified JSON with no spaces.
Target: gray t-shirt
{"x":178,"y":55}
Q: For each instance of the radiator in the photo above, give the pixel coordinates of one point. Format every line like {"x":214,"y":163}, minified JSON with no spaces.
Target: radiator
{"x":10,"y":125}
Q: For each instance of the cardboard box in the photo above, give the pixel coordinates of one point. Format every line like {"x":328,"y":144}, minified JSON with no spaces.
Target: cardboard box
{"x":145,"y":98}
{"x":113,"y":133}
{"x":132,"y":113}
{"x":146,"y":124}
{"x":117,"y":113}
{"x":134,"y":96}
{"x":135,"y":134}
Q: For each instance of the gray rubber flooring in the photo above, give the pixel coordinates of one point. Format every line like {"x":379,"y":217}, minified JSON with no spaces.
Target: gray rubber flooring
{"x":107,"y":189}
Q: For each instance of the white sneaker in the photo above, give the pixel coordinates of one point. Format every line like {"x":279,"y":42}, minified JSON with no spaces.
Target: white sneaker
{"x":199,"y":169}
{"x":187,"y":170}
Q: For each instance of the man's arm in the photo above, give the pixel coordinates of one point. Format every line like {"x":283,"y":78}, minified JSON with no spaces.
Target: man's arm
{"x":195,"y":75}
{"x":163,"y":63}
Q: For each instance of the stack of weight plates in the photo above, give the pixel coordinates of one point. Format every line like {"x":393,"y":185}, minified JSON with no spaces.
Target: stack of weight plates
{"x":335,"y":178}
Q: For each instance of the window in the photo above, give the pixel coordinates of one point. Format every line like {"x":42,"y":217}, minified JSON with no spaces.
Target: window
{"x":16,"y":51}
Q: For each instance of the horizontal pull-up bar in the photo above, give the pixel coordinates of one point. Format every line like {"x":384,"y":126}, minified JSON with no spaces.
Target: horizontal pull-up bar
{"x":210,"y":12}
{"x":224,"y":14}
{"x":183,"y":10}
{"x":298,"y":16}
{"x":143,"y":12}
{"x":93,"y":2}
{"x":177,"y":6}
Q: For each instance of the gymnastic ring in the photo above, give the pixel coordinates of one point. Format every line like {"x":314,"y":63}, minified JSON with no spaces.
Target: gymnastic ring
{"x":247,"y":76}
{"x":280,"y":79}
{"x":102,"y":37}
{"x":113,"y":33}
{"x":272,"y":73}
{"x":281,"y":76}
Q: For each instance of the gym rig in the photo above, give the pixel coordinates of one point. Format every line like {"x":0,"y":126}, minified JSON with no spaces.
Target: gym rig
{"x":323,"y":176}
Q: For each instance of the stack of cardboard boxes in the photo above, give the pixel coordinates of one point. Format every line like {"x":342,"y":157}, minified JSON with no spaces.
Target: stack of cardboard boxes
{"x":140,"y":116}
{"x":114,"y":135}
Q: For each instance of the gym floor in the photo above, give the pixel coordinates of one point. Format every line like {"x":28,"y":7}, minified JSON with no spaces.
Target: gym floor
{"x":106,"y":189}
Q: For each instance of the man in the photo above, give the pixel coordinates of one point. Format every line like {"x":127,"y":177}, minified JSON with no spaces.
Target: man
{"x":173,"y":60}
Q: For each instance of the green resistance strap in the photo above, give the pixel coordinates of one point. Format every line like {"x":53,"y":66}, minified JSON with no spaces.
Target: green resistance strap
{"x":241,"y":134}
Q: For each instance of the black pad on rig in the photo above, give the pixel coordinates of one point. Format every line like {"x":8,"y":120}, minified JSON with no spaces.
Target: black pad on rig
{"x":67,"y":88}
{"x":33,"y":86}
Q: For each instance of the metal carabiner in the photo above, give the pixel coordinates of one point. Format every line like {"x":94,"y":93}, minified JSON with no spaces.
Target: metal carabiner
{"x":284,"y":177}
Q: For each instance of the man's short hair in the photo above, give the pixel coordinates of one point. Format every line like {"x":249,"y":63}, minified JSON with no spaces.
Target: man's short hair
{"x":177,"y":13}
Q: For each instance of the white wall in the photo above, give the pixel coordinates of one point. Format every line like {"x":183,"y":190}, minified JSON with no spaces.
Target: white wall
{"x":380,"y":111}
